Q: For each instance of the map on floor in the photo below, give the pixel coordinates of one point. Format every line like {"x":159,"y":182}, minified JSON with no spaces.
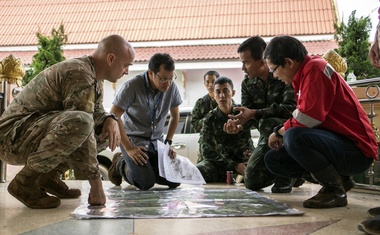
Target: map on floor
{"x":183,"y":203}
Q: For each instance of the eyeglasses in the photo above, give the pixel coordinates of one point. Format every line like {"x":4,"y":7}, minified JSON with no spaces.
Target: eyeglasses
{"x":165,"y":80}
{"x":274,"y":70}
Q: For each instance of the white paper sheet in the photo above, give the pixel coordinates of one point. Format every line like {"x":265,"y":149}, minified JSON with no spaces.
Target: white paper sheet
{"x":161,"y":152}
{"x":178,"y":170}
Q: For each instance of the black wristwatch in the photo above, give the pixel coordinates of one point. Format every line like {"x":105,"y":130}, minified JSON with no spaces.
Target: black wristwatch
{"x":275,"y":130}
{"x":258,"y":114}
{"x":113,"y":116}
{"x":168,"y":141}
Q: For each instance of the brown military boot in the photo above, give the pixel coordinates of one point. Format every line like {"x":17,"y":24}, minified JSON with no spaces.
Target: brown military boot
{"x":113,"y":174}
{"x":24,"y":188}
{"x":51,"y":182}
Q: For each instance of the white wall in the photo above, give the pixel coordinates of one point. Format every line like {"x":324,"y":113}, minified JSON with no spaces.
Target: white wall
{"x":189,"y":82}
{"x":195,"y":88}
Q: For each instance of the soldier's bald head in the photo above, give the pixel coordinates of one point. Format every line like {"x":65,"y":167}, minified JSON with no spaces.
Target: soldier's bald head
{"x":112,"y":58}
{"x":113,"y":44}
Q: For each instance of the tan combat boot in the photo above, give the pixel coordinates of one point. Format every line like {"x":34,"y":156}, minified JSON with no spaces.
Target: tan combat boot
{"x":24,"y":188}
{"x":113,"y":174}
{"x":51,"y":182}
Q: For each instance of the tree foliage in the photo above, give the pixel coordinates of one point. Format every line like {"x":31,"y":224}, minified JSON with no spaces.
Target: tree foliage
{"x":49,"y":52}
{"x":353,"y":41}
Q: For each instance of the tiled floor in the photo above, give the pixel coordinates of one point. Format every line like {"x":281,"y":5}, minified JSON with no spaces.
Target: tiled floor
{"x":15,"y":218}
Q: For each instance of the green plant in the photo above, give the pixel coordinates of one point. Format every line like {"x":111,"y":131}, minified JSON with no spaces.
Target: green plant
{"x":49,"y":52}
{"x":353,"y":41}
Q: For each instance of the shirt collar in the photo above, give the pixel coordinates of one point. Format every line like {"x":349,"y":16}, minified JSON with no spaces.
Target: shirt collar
{"x":297,"y":76}
{"x":147,"y":84}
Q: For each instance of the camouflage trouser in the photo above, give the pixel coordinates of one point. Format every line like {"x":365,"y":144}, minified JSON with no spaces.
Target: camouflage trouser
{"x":57,"y":140}
{"x":213,"y":171}
{"x":257,"y":175}
{"x":200,"y":154}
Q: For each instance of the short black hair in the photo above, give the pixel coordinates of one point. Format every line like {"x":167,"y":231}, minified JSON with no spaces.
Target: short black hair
{"x":282,"y":47}
{"x":256,"y":45}
{"x":222,"y":80}
{"x":211,"y":72}
{"x":161,"y":58}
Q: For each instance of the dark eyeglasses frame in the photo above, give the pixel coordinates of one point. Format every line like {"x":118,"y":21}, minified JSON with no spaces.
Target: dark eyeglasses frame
{"x":274,"y":70}
{"x":165,"y":80}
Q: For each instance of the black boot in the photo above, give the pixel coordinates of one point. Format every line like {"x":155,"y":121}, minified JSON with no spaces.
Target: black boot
{"x":298,"y":182}
{"x":308,"y":177}
{"x":283,"y":185}
{"x":347,"y":182}
{"x":373,"y":212}
{"x":332,"y":194}
{"x":370,"y":226}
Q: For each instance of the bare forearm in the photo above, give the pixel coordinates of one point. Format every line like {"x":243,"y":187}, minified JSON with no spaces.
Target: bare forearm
{"x":173,"y":123}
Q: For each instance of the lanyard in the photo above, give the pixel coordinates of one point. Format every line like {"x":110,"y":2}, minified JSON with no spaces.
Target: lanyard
{"x":155,"y":105}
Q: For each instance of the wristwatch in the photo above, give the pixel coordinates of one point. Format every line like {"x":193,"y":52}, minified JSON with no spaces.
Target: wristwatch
{"x":168,"y":141}
{"x":113,"y":116}
{"x":275,"y":130}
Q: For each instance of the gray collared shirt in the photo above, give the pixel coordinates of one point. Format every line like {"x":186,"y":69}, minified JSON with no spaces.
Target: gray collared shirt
{"x":145,"y":111}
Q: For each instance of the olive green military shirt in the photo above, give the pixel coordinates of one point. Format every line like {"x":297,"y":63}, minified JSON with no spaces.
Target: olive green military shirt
{"x":220,"y":147}
{"x":201,"y":108}
{"x":272,"y":98}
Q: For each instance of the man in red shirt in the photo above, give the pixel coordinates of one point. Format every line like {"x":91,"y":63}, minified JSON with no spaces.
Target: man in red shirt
{"x":329,"y":134}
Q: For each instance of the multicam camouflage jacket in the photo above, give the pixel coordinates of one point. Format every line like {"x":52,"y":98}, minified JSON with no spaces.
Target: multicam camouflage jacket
{"x":222,"y":148}
{"x":69,"y":85}
{"x":66,"y":86}
{"x":272,"y":98}
{"x":203,"y":106}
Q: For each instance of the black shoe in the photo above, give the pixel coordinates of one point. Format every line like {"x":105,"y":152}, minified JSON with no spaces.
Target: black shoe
{"x":174,"y":185}
{"x":327,"y":198}
{"x":298,"y":182}
{"x":348,"y":183}
{"x":374,"y":211}
{"x":283,"y":185}
{"x":370,"y":226}
{"x":332,"y":194}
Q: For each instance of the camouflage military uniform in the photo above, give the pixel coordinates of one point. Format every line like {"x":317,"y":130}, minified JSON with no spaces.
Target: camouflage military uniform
{"x":51,"y":123}
{"x":201,"y":108}
{"x":221,"y":151}
{"x":275,"y":101}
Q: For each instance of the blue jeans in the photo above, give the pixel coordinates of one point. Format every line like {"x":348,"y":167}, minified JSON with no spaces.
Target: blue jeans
{"x":313,"y":150}
{"x":143,"y":177}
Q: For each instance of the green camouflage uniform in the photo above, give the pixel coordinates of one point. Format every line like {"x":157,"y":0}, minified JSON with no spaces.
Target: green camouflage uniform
{"x":51,"y":124}
{"x":275,"y":101}
{"x":221,"y":152}
{"x":201,"y":108}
